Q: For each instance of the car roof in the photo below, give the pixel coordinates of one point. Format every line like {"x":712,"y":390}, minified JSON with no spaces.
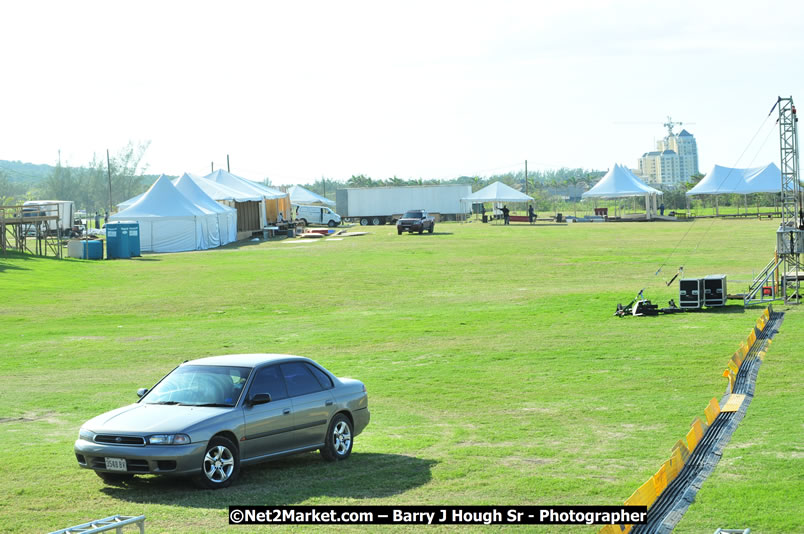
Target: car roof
{"x":246,"y":360}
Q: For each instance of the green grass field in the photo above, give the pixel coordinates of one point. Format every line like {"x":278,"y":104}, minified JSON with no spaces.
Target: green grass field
{"x":496,"y":371}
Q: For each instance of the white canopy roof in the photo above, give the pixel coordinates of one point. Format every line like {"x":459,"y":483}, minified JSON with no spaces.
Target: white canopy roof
{"x":169,"y":221}
{"x":218,"y":191}
{"x":244,"y":186}
{"x":300,"y":195}
{"x":213,"y":189}
{"x":620,"y":182}
{"x":722,"y":180}
{"x":497,"y":192}
{"x":225,"y":229}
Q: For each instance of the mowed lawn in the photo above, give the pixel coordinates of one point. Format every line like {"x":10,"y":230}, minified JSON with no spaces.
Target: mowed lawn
{"x":496,"y":371}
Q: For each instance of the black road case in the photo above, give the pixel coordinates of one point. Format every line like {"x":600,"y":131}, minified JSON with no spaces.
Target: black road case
{"x":690,"y":293}
{"x":715,"y":290}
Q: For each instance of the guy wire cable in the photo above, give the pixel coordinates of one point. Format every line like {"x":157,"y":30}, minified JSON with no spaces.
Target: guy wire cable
{"x":722,"y":182}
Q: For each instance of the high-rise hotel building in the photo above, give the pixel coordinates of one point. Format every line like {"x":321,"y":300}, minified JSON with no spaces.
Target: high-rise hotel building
{"x":673,"y":162}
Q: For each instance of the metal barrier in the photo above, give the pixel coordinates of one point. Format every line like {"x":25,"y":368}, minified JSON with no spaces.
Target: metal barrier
{"x":115,"y":522}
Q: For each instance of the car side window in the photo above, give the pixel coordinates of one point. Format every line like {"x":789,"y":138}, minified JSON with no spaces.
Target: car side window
{"x":299,"y":379}
{"x":269,"y":380}
{"x":323,"y":378}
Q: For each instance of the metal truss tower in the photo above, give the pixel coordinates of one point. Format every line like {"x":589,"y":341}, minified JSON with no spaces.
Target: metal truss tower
{"x":789,"y":236}
{"x":781,"y":278}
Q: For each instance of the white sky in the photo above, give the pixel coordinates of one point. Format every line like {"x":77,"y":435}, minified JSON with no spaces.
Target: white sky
{"x":295,"y":91}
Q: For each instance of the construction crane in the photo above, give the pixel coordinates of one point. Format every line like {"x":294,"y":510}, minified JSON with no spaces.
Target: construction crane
{"x":670,"y":124}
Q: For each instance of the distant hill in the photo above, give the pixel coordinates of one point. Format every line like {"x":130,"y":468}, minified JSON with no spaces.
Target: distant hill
{"x":26,"y":173}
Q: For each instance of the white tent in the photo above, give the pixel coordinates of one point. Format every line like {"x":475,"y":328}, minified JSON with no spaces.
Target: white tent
{"x":724,"y":180}
{"x":247,"y":187}
{"x":496,"y":192}
{"x":241,"y":184}
{"x":621,"y":182}
{"x":169,"y":221}
{"x":221,"y":192}
{"x":225,"y":228}
{"x":300,"y":195}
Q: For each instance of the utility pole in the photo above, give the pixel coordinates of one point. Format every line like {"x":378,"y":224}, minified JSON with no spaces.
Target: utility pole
{"x":526,"y":177}
{"x":212,"y":166}
{"x":109,"y":175}
{"x":227,"y":163}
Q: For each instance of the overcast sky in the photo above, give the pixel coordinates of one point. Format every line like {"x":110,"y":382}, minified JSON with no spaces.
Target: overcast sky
{"x":294,"y":91}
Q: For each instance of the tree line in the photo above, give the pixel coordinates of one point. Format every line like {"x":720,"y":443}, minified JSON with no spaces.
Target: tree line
{"x":87,"y":186}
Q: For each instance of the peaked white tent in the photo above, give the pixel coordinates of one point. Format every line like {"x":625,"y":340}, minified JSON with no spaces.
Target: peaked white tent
{"x":621,"y":182}
{"x":300,"y":195}
{"x":496,"y":192}
{"x":225,"y":228}
{"x":724,"y":180}
{"x":169,"y":221}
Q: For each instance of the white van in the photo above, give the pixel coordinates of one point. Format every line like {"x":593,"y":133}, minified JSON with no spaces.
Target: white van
{"x":317,"y":215}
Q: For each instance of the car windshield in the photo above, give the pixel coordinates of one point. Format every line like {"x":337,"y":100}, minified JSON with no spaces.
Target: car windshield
{"x":200,"y":385}
{"x":413,"y":215}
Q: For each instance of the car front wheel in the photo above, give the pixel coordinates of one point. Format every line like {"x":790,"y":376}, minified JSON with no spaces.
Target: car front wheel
{"x":339,"y":439}
{"x":220,"y":465}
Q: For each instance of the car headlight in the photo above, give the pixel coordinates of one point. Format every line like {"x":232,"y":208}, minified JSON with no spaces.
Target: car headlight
{"x":86,"y":435}
{"x":169,"y":439}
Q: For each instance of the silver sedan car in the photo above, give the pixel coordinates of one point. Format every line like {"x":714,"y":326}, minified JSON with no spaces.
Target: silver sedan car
{"x":209,"y":416}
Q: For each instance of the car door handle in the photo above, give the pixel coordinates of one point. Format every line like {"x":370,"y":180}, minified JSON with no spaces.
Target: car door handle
{"x":328,"y":403}
{"x":286,"y":411}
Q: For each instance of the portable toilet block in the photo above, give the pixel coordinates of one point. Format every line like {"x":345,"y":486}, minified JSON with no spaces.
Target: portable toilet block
{"x":116,"y":241}
{"x":122,"y":240}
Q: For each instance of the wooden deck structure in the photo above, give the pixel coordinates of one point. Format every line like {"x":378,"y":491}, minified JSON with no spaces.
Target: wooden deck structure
{"x":24,"y":231}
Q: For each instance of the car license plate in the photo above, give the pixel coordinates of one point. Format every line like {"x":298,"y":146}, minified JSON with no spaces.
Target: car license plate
{"x":116,"y":464}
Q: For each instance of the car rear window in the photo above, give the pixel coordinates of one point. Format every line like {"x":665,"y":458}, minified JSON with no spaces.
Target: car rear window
{"x":299,"y":379}
{"x":323,"y":378}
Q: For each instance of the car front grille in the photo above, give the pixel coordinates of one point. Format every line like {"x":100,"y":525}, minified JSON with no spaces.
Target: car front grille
{"x":119,"y":440}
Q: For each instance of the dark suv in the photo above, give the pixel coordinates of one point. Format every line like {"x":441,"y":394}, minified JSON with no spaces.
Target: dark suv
{"x":415,"y":221}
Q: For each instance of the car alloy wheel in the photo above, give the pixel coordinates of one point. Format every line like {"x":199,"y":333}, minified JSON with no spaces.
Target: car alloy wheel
{"x":220,"y":465}
{"x":339,"y":439}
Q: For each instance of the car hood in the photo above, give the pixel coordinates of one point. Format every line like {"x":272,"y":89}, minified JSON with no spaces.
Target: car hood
{"x":151,"y":418}
{"x":409,"y":220}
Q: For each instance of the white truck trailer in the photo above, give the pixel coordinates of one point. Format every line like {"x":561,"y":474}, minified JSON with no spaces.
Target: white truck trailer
{"x":63,"y":210}
{"x":380,"y":205}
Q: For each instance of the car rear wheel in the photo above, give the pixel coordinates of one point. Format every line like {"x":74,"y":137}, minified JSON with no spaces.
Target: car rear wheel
{"x":432,"y":227}
{"x":339,"y":439}
{"x":376,"y":221}
{"x":220,"y":465}
{"x":364,"y":222}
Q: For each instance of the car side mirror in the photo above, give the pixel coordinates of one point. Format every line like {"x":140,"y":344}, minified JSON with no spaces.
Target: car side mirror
{"x":141,"y":392}
{"x":259,"y":398}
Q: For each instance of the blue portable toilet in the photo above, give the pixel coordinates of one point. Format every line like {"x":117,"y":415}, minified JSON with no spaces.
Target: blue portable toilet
{"x":114,"y":238}
{"x":134,"y":239}
{"x":122,"y":240}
